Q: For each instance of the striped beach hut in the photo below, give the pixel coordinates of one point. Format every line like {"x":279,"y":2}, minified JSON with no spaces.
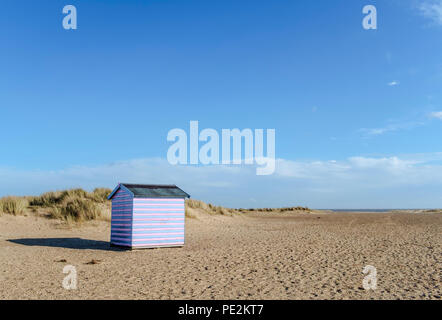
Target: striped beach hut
{"x":147,"y":216}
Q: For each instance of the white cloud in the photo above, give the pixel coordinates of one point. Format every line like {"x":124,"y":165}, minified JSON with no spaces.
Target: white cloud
{"x":432,"y":10}
{"x":392,"y":127}
{"x":371,"y":182}
{"x":378,"y":131}
{"x":436,"y":115}
{"x":393,"y":83}
{"x":368,"y":182}
{"x":392,"y":164}
{"x":399,"y":125}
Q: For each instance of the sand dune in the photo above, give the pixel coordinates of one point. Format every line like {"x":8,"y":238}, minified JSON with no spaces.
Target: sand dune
{"x":294,"y":255}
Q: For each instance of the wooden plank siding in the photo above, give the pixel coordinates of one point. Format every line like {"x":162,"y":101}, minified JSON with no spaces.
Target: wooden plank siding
{"x":121,"y":225}
{"x":158,"y":222}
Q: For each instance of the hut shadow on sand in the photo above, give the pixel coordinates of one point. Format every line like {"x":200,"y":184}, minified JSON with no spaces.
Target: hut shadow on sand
{"x":68,"y":243}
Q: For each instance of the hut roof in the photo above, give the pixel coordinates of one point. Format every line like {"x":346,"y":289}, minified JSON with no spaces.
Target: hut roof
{"x":152,"y":191}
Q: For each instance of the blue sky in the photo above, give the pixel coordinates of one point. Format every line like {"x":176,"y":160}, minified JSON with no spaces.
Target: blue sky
{"x":357,"y":113}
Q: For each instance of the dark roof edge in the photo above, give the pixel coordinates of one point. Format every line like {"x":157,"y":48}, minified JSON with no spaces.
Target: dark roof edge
{"x":119,"y":186}
{"x":187,"y":195}
{"x":137,"y":185}
{"x":126,"y":185}
{"x":113,"y":192}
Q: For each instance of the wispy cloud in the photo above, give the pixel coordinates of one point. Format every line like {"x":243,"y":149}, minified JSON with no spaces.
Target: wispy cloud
{"x":392,"y":127}
{"x":399,"y":125}
{"x":393,"y":83}
{"x":377,"y":131}
{"x":436,"y":115}
{"x":354,"y":182}
{"x":432,"y":9}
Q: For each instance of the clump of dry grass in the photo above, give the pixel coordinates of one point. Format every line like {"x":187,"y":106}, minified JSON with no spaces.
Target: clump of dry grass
{"x":49,"y":199}
{"x":289,"y":209}
{"x":433,"y":211}
{"x":189,"y":213}
{"x":75,"y":205}
{"x":101,"y":194}
{"x":13,"y":205}
{"x":207,"y":207}
{"x":106,"y":211}
{"x":192,"y":204}
{"x":77,"y":209}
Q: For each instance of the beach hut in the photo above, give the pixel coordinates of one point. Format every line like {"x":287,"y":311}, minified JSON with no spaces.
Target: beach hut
{"x":147,"y":216}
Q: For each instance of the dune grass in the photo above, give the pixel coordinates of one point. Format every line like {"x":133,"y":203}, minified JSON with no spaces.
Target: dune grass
{"x":207,"y":207}
{"x":75,"y":205}
{"x":76,"y":209}
{"x":52,"y":198}
{"x":13,"y":205}
{"x":78,"y":205}
{"x":101,"y":194}
{"x":288,"y":209}
{"x":219,"y":210}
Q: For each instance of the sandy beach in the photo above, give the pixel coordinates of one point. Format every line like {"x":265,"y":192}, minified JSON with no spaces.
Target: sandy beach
{"x":255,"y":256}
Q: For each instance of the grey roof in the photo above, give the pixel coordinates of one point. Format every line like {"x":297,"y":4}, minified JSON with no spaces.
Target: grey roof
{"x":152,"y":191}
